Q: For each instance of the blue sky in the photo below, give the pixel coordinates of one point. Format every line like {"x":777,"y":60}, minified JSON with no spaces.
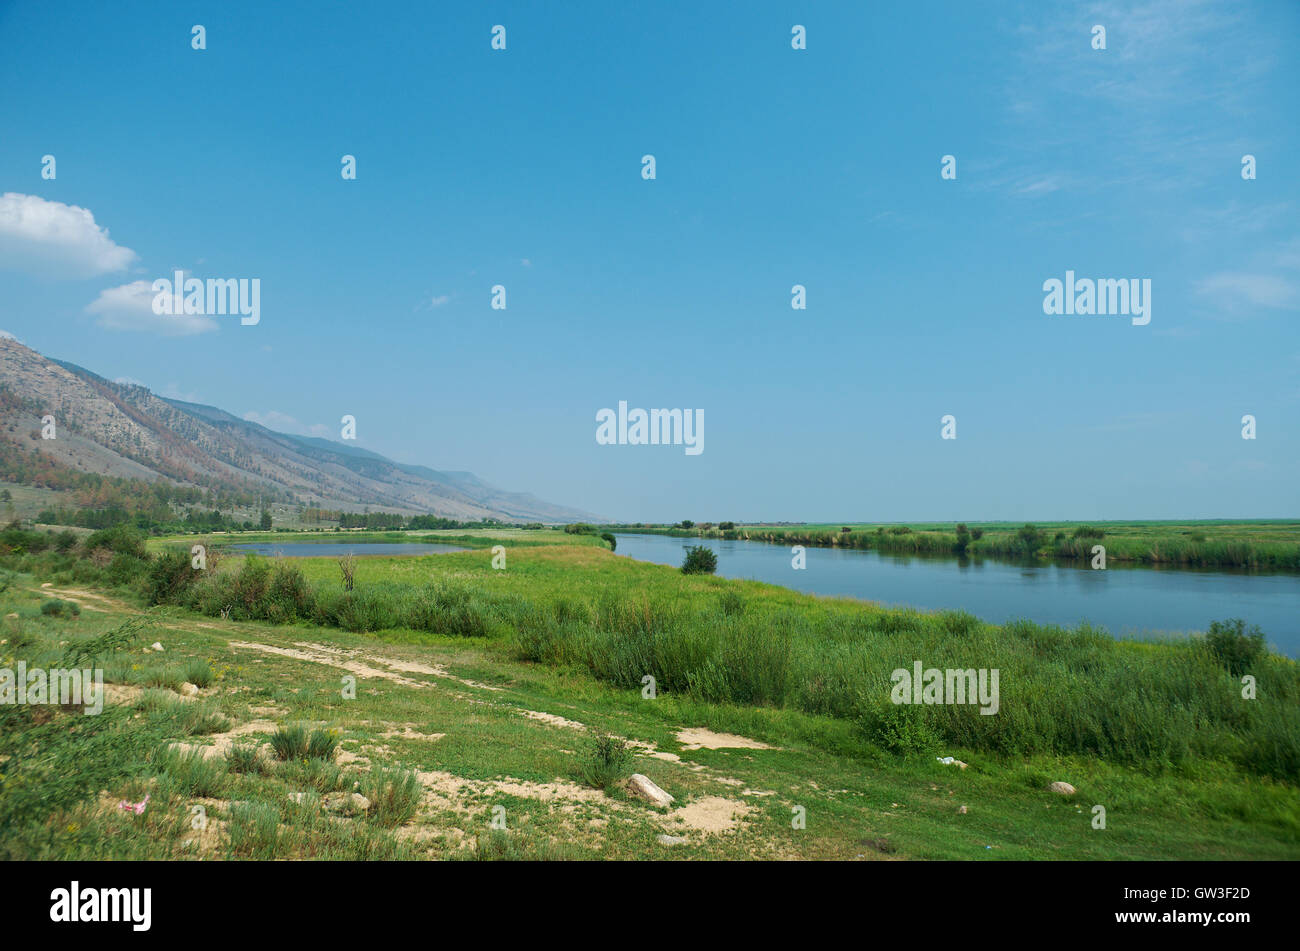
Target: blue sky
{"x":775,"y":167}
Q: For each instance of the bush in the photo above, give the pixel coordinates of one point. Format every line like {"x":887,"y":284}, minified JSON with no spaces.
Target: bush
{"x":394,"y":795}
{"x":198,"y":673}
{"x":55,"y":607}
{"x":899,"y":728}
{"x":1030,"y":538}
{"x":170,"y":573}
{"x":121,"y":540}
{"x":1234,"y":647}
{"x":613,"y":542}
{"x":245,"y":758}
{"x":700,"y":561}
{"x":1088,"y":531}
{"x":733,"y":605}
{"x":603,"y":760}
{"x":290,"y":743}
{"x":323,"y":745}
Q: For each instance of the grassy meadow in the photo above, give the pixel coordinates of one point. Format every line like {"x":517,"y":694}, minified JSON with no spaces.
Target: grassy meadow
{"x":497,"y":712}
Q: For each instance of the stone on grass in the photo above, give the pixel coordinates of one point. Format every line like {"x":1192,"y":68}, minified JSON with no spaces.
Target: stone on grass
{"x":189,"y":690}
{"x":665,"y":839}
{"x":643,"y":788}
{"x":346,"y":803}
{"x":1065,"y":789}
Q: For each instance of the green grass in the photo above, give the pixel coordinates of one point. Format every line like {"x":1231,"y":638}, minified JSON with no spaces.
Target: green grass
{"x":441,"y":731}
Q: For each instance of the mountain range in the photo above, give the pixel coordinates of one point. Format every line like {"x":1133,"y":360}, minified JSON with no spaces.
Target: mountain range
{"x":123,"y":429}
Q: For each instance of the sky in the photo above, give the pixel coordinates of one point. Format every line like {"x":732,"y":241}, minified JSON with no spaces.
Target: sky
{"x":774,"y":167}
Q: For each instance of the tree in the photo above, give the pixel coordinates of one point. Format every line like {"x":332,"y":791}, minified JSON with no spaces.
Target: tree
{"x":266,"y":520}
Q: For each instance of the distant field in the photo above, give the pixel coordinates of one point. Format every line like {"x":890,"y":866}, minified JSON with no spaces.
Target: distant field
{"x":28,"y":500}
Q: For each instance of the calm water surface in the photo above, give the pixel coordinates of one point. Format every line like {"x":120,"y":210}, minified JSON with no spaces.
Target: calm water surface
{"x":1128,"y":602}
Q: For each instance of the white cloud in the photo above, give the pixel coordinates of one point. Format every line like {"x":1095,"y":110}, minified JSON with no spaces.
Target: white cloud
{"x":280,"y":422}
{"x":51,"y":239}
{"x":439,"y":301}
{"x":130,"y":307}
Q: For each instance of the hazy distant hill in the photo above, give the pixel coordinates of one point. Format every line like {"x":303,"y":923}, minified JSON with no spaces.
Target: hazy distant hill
{"x":125,"y":430}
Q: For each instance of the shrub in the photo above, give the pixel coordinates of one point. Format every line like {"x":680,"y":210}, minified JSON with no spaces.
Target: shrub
{"x":289,"y":592}
{"x":733,"y":605}
{"x":613,"y":542}
{"x":198,"y":673}
{"x":348,"y":568}
{"x":121,"y":540}
{"x":603,"y":760}
{"x":1030,"y":537}
{"x":245,"y":758}
{"x":899,"y":728}
{"x":323,"y":745}
{"x":394,"y":795}
{"x":1234,"y":647}
{"x":55,"y":607}
{"x":290,"y":742}
{"x":169,"y":574}
{"x":700,"y":561}
{"x":1087,"y":531}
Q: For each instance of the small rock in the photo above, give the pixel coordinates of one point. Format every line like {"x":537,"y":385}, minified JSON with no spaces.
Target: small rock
{"x":961,"y":811}
{"x":347,"y":803}
{"x":156,"y":646}
{"x":1065,"y":789}
{"x":643,"y":788}
{"x":665,"y":839}
{"x":189,"y":690}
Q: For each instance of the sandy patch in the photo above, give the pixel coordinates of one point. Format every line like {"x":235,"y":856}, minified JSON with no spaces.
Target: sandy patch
{"x":695,"y":738}
{"x":445,"y":790}
{"x":645,"y":748}
{"x":406,"y":733}
{"x":712,"y":814}
{"x":81,"y":595}
{"x":222,"y":742}
{"x":552,"y":719}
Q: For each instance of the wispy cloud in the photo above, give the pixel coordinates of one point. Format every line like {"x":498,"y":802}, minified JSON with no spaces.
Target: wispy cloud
{"x":1153,"y":108}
